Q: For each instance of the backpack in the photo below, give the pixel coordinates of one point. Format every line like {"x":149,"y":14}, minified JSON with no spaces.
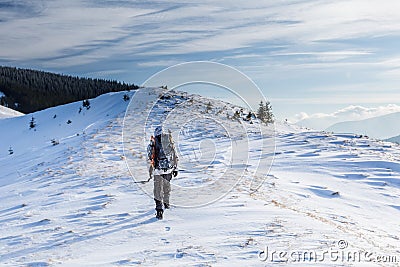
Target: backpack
{"x":161,"y":152}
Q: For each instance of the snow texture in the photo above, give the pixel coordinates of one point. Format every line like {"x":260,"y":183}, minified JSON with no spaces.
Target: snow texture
{"x":75,"y":204}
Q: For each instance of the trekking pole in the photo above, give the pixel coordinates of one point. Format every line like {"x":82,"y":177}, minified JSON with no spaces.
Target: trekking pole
{"x":148,"y":180}
{"x":143,"y":182}
{"x":151,"y":169}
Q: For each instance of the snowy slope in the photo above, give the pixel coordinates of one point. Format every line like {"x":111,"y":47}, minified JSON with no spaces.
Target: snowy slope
{"x":75,"y":204}
{"x":8,"y":113}
{"x":381,"y":127}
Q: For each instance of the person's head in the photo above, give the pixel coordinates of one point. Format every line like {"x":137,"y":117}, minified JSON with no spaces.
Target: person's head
{"x":158,"y":131}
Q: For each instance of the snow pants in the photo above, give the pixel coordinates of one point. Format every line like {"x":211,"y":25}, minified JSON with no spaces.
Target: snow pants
{"x":162,"y":189}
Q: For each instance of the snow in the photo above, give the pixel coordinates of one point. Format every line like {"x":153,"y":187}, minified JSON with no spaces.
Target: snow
{"x":75,"y":204}
{"x":8,"y":113}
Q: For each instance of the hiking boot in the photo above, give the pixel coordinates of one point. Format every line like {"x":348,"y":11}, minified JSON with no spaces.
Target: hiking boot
{"x":159,"y":214}
{"x":166,"y":206}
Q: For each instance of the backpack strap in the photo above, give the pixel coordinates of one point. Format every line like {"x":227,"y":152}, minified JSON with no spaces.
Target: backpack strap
{"x":153,"y":150}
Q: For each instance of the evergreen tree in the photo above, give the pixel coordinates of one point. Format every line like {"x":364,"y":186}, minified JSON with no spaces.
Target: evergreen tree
{"x":269,"y":116}
{"x":261,"y":111}
{"x":264,"y":112}
{"x":29,"y":90}
{"x":32,"y":123}
{"x":86,"y":104}
{"x":208,"y":107}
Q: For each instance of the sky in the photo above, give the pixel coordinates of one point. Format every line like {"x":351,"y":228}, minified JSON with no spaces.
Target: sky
{"x":307,"y":57}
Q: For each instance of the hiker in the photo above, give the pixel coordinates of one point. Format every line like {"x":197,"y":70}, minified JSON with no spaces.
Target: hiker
{"x":163,"y":166}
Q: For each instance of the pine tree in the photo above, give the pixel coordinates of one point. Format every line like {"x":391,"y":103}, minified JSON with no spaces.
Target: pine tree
{"x":261,"y":111}
{"x":208,"y":107}
{"x":86,"y":104}
{"x":269,"y":116}
{"x":264,"y":112}
{"x":32,"y":123}
{"x":29,"y":90}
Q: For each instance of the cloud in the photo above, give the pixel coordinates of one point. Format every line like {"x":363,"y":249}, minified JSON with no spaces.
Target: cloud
{"x":360,"y":113}
{"x":159,"y":63}
{"x":326,"y":55}
{"x":300,"y":116}
{"x":64,"y":31}
{"x":305,"y":44}
{"x":321,"y":121}
{"x":181,"y":28}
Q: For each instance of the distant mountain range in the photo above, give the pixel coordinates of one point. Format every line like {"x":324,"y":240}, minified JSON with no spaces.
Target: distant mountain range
{"x":321,"y":121}
{"x":28,"y":90}
{"x":395,"y":139}
{"x":382,"y":127}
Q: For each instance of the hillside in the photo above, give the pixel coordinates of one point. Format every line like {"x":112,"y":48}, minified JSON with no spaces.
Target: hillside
{"x":76,"y":204}
{"x":28,"y":90}
{"x":381,"y":127}
{"x":8,"y":113}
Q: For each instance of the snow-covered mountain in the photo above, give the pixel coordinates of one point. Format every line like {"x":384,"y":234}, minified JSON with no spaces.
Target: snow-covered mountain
{"x":75,"y":203}
{"x":382,"y":127}
{"x":8,"y":113}
{"x":322,"y":121}
{"x":395,"y":139}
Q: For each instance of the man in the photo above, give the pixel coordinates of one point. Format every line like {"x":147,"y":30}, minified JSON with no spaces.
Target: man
{"x":164,"y":164}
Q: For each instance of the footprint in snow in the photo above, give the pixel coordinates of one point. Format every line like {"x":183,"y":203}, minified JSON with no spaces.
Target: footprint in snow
{"x":323,"y":192}
{"x":37,"y":264}
{"x":36,"y":224}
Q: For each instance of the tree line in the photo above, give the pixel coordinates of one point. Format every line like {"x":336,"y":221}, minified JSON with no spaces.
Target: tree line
{"x":29,"y":90}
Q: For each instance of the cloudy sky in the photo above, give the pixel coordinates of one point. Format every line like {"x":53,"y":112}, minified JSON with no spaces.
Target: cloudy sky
{"x":307,"y":56}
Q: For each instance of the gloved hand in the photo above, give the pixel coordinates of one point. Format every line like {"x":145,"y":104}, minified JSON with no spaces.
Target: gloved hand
{"x":174,"y":173}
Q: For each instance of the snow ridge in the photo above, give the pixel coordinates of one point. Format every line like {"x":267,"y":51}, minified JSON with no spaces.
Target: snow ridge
{"x":75,"y":204}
